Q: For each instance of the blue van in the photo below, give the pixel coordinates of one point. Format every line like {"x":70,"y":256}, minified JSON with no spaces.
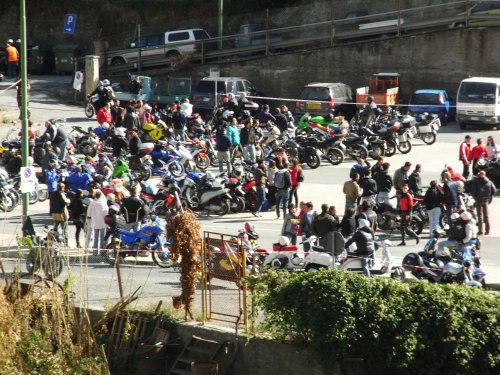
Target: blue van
{"x":433,"y":101}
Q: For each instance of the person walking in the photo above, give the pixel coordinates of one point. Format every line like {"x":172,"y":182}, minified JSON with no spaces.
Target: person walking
{"x":223,"y":148}
{"x":464,"y":156}
{"x":291,"y":224}
{"x":483,"y":191}
{"x":297,"y":175}
{"x":477,"y":153}
{"x":433,"y":200}
{"x":233,"y":134}
{"x":405,"y":212}
{"x":12,"y":59}
{"x":369,"y":186}
{"x":401,"y":176}
{"x":78,"y":213}
{"x":59,"y":210}
{"x":492,"y":148}
{"x":282,"y":182}
{"x":97,"y":211}
{"x":260,"y":175}
{"x":384,"y":184}
{"x":352,"y":192}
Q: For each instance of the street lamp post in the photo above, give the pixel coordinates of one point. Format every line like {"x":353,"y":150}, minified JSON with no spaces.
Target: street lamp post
{"x":24,"y":96}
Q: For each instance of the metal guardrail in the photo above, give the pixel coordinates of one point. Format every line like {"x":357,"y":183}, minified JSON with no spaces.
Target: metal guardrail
{"x":319,"y":35}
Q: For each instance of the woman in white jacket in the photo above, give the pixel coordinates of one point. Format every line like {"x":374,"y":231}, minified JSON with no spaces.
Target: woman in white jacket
{"x":97,"y":211}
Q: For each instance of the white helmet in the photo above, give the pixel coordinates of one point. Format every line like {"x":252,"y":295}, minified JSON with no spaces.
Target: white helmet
{"x":460,"y":185}
{"x":10,"y":41}
{"x":466,"y":216}
{"x":105,"y":125}
{"x":454,"y":216}
{"x":284,"y":241}
{"x":230,"y":96}
{"x":106,"y":82}
{"x":147,"y":107}
{"x":227,"y":115}
{"x":243,"y":95}
{"x":119,"y":132}
{"x":362,"y":223}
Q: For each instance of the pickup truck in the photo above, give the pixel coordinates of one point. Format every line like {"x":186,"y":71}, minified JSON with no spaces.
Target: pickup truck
{"x":171,"y":45}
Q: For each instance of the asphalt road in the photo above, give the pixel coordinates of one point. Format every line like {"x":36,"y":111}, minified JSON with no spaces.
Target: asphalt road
{"x":95,"y":283}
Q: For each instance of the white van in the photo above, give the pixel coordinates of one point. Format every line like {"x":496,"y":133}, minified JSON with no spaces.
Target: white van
{"x":478,"y":101}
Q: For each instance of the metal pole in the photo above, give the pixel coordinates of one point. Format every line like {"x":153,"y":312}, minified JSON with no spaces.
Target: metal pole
{"x":24,"y":106}
{"x":139,"y":61}
{"x":220,"y":7}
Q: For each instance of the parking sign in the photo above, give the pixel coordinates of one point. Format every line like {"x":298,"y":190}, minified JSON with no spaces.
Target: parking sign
{"x":69,"y":23}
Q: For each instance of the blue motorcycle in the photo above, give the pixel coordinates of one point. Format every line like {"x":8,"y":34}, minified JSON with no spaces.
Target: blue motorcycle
{"x":139,"y":244}
{"x":166,"y":162}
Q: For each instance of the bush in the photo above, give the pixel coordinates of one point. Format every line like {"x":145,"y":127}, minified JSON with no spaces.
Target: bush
{"x":408,"y":328}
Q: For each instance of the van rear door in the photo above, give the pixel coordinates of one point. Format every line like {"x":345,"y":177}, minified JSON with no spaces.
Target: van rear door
{"x":203,"y":94}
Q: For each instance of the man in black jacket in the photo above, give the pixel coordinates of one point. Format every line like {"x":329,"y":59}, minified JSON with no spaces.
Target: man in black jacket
{"x":131,"y":119}
{"x":134,"y":209}
{"x":223,"y":147}
{"x":483,"y":191}
{"x":306,"y":223}
{"x":369,"y":186}
{"x":323,"y":224}
{"x":363,"y":238}
{"x":180,"y":121}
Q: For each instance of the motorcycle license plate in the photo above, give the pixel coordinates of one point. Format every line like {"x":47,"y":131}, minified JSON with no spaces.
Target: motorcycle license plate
{"x":314,"y":105}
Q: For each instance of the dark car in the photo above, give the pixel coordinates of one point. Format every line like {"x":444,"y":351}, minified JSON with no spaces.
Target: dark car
{"x":204,"y":92}
{"x":319,"y":98}
{"x":433,"y":101}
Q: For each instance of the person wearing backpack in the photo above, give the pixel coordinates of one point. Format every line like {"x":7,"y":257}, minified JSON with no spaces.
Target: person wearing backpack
{"x":282,"y":182}
{"x":483,"y":191}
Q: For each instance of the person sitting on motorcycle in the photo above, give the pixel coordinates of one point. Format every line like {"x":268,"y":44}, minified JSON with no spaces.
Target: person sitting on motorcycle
{"x":104,"y":114}
{"x":103,"y":170}
{"x":134,"y":209}
{"x":119,"y":143}
{"x":405,"y":212}
{"x":265,"y":116}
{"x":78,"y":179}
{"x":281,"y":120}
{"x":470,"y":228}
{"x":105,"y":93}
{"x":456,"y":234}
{"x":365,"y":245}
{"x":71,"y":164}
{"x":271,"y":134}
{"x":242,"y":101}
{"x":88,"y":164}
{"x":134,"y":143}
{"x":373,"y":106}
{"x":231,"y":104}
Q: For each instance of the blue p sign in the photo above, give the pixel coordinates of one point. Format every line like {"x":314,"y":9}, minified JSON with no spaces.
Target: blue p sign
{"x":69,"y":23}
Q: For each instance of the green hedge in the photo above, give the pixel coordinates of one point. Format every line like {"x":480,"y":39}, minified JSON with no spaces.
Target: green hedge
{"x":407,"y":328}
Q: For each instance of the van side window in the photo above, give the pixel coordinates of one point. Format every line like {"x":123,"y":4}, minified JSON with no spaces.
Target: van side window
{"x":229,"y":86}
{"x":240,"y":87}
{"x":249,"y":87}
{"x":177,"y":37}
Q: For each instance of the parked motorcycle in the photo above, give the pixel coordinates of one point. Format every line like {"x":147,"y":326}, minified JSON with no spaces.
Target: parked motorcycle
{"x":388,"y":219}
{"x":308,"y":155}
{"x":84,"y":142}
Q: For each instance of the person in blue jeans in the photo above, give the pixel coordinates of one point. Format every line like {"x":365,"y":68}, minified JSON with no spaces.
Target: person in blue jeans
{"x":282,"y":182}
{"x":260,"y":175}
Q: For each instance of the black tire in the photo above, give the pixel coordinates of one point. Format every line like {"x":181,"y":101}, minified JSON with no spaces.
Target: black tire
{"x":33,"y":197}
{"x":416,"y":225}
{"x":429,"y":138}
{"x":443,"y":220}
{"x":52,"y":264}
{"x":162,"y":259}
{"x":7,"y":204}
{"x":313,"y":267}
{"x":359,"y":151}
{"x":144,"y":173}
{"x":377,"y":151}
{"x":110,"y":256}
{"x":335,"y":156}
{"x":173,"y":58}
{"x":225,"y":207}
{"x":32,"y":264}
{"x":404,"y":147}
{"x":202,"y":163}
{"x":117,"y":61}
{"x":237,"y":205}
{"x":176,"y":168}
{"x":16,"y":196}
{"x":214,"y":162}
{"x":251,"y":200}
{"x":89,"y":110}
{"x":462,"y":125}
{"x":43,"y":195}
{"x":398,"y":274}
{"x":87,"y":149}
{"x":391,"y":148}
{"x":313,"y":161}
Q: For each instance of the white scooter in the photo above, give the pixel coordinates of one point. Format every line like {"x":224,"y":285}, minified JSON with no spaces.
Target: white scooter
{"x":286,"y":256}
{"x":381,"y":267}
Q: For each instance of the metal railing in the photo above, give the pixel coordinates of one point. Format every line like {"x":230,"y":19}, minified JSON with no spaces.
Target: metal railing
{"x":320,"y":35}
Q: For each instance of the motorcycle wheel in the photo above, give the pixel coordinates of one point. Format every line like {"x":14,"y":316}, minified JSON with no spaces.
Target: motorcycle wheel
{"x":15,"y":195}
{"x":214,"y":162}
{"x":251,"y":200}
{"x":202,"y":162}
{"x":416,"y":225}
{"x":191,"y":198}
{"x":313,"y":268}
{"x":358,"y":152}
{"x":335,"y":156}
{"x":391,"y":148}
{"x":377,"y":151}
{"x":52,"y":264}
{"x":429,"y":138}
{"x":87,"y":149}
{"x":404,"y":147}
{"x":43,"y":195}
{"x":89,"y":110}
{"x":313,"y":161}
{"x":398,"y":274}
{"x":33,"y":197}
{"x":225,"y":207}
{"x":162,"y":259}
{"x":110,"y":256}
{"x":237,"y":205}
{"x":7,"y":204}
{"x":32,"y":264}
{"x":144,"y":173}
{"x":176,"y":168}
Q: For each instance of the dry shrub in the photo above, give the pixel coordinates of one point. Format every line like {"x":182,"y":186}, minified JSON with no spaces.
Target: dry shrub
{"x":185,"y":238}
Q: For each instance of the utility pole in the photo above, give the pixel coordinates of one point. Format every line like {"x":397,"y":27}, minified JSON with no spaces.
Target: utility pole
{"x":24,"y":95}
{"x":220,"y":8}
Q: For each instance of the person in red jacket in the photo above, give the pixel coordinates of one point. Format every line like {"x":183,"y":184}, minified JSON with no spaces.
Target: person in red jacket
{"x":477,"y":153}
{"x":104,"y":115}
{"x":405,"y":211}
{"x":464,"y":156}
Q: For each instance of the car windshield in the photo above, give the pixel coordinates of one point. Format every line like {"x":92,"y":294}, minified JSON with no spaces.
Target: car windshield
{"x":477,"y":92}
{"x":425,"y":99}
{"x":208,"y":87}
{"x":315,"y":93}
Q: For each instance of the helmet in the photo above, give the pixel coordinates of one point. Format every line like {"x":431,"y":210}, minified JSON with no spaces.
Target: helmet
{"x":454,"y":216}
{"x":102,"y":159}
{"x":362,"y":223}
{"x":18,"y":41}
{"x":230,"y":96}
{"x":245,"y":114}
{"x":424,"y":116}
{"x":329,"y":117}
{"x":147,"y":107}
{"x":460,"y":185}
{"x":227,"y":115}
{"x":243,"y":95}
{"x":114,"y":209}
{"x":10,"y":41}
{"x":99,"y":83}
{"x":167,"y":179}
{"x":284,"y":241}
{"x":370,"y":99}
{"x":53,"y":163}
{"x":466,"y":216}
{"x":106,"y":82}
{"x":119,"y":132}
{"x":249,"y":227}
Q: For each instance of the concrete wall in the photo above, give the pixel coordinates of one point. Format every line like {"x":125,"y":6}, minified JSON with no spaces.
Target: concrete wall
{"x":435,"y":60}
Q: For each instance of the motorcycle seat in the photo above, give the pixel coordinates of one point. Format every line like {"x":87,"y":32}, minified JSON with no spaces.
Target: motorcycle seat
{"x":382,"y":131}
{"x":352,"y":140}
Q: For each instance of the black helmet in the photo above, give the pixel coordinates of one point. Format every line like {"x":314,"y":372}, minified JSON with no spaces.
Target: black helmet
{"x":329,"y":117}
